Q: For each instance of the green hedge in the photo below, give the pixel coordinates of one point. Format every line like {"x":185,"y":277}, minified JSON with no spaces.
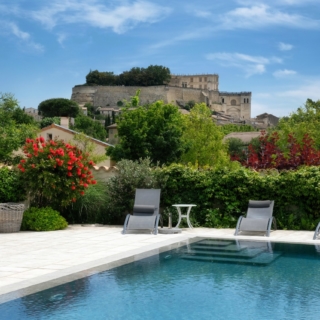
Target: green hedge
{"x":222,"y":196}
{"x":11,"y":189}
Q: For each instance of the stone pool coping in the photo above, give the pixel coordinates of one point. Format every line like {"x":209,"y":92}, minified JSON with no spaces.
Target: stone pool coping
{"x":34,"y":261}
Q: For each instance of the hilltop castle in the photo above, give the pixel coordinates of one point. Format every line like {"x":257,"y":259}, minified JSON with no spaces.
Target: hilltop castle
{"x":180,"y":90}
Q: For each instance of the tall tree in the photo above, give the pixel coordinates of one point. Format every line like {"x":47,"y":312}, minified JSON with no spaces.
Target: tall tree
{"x":204,"y":138}
{"x":15,"y":127}
{"x":153,"y":131}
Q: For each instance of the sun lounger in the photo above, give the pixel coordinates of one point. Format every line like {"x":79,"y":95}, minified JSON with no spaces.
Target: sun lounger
{"x":145,"y":215}
{"x":258,"y":219}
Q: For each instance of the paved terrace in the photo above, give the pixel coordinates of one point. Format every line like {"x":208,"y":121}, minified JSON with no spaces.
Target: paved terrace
{"x":34,"y":261}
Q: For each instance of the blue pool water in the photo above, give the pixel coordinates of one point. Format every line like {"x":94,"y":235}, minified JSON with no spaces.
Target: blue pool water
{"x":209,"y":279}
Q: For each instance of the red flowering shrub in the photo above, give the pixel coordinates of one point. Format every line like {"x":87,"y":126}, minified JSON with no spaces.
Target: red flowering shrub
{"x":55,"y":173}
{"x":270,"y":154}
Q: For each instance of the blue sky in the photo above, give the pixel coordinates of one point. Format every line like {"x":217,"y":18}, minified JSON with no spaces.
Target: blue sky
{"x":268,"y":47}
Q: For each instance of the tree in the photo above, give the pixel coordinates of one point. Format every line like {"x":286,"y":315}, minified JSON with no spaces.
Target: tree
{"x":15,"y":126}
{"x":204,"y":139}
{"x":151,"y":76}
{"x":306,"y":120}
{"x":90,"y":127}
{"x":45,"y":122}
{"x":153,"y":131}
{"x":59,"y":107}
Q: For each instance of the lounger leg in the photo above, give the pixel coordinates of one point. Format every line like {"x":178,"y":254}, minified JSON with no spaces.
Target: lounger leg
{"x":125,"y":224}
{"x":269,"y":227}
{"x":316,"y":233}
{"x":156,"y":224}
{"x":238,"y":225}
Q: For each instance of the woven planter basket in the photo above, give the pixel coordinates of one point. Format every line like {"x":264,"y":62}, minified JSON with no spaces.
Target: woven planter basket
{"x":11,"y":217}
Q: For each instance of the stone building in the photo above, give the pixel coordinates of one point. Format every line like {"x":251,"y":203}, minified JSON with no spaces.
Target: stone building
{"x":180,"y":90}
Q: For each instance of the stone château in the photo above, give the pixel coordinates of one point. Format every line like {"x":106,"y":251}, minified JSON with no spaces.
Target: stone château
{"x":180,"y":90}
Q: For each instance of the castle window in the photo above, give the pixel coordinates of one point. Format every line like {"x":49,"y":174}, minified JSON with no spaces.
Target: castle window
{"x":233,"y":102}
{"x":205,"y":86}
{"x":244,"y":100}
{"x":184,"y":84}
{"x":200,"y":79}
{"x":191,"y":79}
{"x":222,"y":100}
{"x":248,"y":100}
{"x":49,"y":136}
{"x":205,"y":79}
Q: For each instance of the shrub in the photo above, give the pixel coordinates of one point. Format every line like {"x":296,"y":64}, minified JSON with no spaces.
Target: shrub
{"x":121,"y":188}
{"x":91,"y":208}
{"x":11,"y":189}
{"x":55,"y":173}
{"x":42,"y":219}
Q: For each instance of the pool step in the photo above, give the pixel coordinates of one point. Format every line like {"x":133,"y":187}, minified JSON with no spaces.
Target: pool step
{"x":262,"y":259}
{"x":229,"y":248}
{"x":245,"y":253}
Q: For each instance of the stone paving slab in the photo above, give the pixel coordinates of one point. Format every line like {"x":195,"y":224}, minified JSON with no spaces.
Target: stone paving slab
{"x":42,"y":259}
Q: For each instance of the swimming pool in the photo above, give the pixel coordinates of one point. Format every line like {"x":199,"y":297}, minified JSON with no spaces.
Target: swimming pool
{"x":206,"y":279}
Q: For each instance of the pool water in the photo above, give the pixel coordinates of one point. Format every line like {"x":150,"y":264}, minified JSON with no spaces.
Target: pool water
{"x":208,"y":279}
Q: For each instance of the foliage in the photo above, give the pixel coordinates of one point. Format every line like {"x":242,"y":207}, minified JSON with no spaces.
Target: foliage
{"x":153,"y":131}
{"x":54,"y":172}
{"x":42,"y":219}
{"x":15,"y":126}
{"x":150,"y":76}
{"x":90,"y":127}
{"x":236,"y":150}
{"x":121,"y":188}
{"x":59,"y":107}
{"x":229,"y":128}
{"x":204,"y":139}
{"x":222,"y":195}
{"x":85,"y":144}
{"x":306,"y":120}
{"x":92,"y":207}
{"x":11,"y":189}
{"x":269,"y":154}
{"x":46,"y":122}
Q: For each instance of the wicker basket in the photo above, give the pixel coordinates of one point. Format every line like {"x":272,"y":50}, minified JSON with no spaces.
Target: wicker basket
{"x":11,"y":217}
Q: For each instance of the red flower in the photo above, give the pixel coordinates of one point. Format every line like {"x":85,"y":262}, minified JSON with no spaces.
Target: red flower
{"x":94,"y":182}
{"x":22,"y":161}
{"x":41,"y":139}
{"x":73,"y":188}
{"x":69,"y":174}
{"x":82,"y":193}
{"x":69,"y":167}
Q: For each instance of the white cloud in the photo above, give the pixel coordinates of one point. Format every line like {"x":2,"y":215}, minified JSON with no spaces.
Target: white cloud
{"x":285,"y":46}
{"x":119,"y":18}
{"x":23,"y":37}
{"x":249,"y":64}
{"x":284,"y":73}
{"x":262,"y":16}
{"x":309,"y":90}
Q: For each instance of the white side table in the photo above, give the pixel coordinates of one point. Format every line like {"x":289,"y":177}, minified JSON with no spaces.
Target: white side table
{"x":179,"y":206}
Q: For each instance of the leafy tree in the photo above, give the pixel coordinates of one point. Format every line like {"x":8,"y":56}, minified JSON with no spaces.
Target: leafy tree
{"x":59,"y":107}
{"x":204,"y":139}
{"x":45,"y":122}
{"x":55,"y":173}
{"x":153,"y":131}
{"x":14,"y":128}
{"x":306,"y":120}
{"x":90,"y":127}
{"x":151,"y":76}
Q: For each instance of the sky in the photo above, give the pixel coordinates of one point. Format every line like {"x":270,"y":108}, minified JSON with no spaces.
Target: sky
{"x":268,"y":47}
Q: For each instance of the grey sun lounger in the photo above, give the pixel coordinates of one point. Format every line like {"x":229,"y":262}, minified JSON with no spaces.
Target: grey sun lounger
{"x":258,"y":219}
{"x":145,"y":215}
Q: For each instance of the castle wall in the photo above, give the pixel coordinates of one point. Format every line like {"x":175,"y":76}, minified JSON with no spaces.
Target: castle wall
{"x":237,"y":104}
